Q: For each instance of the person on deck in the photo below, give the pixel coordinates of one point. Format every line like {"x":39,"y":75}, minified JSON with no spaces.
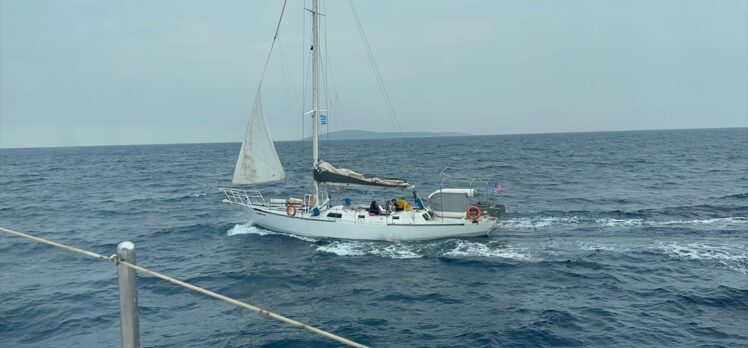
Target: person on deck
{"x":374,"y":209}
{"x":401,"y":204}
{"x":392,"y":205}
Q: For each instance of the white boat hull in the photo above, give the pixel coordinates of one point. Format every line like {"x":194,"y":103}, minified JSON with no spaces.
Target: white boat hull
{"x":355,"y":225}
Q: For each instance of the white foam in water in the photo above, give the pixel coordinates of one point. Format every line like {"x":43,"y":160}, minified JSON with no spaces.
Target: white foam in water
{"x":538,"y":222}
{"x":475,"y":249}
{"x":461,"y":248}
{"x":731,"y":258}
{"x":640,"y":222}
{"x":343,"y":248}
{"x":360,"y":248}
{"x":721,"y":221}
{"x":542,"y":222}
{"x":247,"y":229}
{"x":619,"y":222}
{"x":603,"y":247}
{"x":397,"y":251}
{"x":250,"y":228}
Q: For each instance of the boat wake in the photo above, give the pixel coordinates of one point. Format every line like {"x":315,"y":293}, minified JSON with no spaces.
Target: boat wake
{"x":722,"y":256}
{"x":362,"y":248}
{"x":725,"y":256}
{"x":492,"y":249}
{"x":542,"y":222}
{"x":449,"y":248}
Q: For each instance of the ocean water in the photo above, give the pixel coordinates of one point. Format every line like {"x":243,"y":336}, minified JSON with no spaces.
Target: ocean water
{"x":624,"y":239}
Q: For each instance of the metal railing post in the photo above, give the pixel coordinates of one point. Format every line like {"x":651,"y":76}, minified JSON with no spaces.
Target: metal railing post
{"x":128,"y":296}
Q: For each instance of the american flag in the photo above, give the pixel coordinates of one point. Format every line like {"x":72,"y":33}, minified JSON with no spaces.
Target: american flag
{"x":497,"y":188}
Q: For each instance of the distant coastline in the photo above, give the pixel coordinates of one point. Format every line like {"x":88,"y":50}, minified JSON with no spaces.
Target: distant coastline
{"x":386,"y":135}
{"x":362,"y":135}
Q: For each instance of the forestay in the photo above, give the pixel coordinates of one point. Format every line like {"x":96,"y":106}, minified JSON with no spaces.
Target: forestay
{"x":258,"y":161}
{"x":326,"y":172}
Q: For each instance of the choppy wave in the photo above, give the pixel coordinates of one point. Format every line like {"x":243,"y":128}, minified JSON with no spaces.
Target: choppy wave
{"x":610,"y":240}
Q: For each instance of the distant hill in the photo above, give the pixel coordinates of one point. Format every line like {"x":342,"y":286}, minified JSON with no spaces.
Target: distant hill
{"x":360,"y":135}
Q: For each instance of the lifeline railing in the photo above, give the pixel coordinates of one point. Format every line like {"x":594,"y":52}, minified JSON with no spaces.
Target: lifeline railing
{"x":241,"y":197}
{"x":128,"y":291}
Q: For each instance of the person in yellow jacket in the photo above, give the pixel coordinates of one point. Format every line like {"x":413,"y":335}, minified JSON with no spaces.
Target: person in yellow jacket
{"x":402,"y":204}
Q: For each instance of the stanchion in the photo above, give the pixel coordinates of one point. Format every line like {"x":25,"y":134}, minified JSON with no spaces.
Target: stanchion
{"x":128,"y":296}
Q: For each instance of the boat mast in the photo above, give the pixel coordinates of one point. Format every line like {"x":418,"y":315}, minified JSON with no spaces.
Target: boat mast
{"x":315,"y":96}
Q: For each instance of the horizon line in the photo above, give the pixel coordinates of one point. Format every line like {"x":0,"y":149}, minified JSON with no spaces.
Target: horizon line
{"x":305,"y":139}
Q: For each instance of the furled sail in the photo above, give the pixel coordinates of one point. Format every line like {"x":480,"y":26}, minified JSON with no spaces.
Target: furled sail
{"x":326,"y":172}
{"x":258,"y":162}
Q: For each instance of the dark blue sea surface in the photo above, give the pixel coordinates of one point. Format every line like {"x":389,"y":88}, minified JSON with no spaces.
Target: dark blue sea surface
{"x":624,"y":239}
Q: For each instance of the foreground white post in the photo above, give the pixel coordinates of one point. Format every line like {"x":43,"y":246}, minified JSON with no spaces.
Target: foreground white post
{"x":128,"y":296}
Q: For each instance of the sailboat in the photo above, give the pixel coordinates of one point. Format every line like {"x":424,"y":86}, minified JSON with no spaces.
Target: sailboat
{"x":447,"y":212}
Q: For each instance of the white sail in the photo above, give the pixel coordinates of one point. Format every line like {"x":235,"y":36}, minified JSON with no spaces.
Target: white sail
{"x":258,"y":162}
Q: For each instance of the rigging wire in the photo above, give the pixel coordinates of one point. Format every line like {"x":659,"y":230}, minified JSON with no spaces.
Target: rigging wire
{"x":335,"y":99}
{"x":287,"y":75}
{"x":286,"y":79}
{"x":275,"y":38}
{"x":380,"y":81}
{"x":331,"y":93}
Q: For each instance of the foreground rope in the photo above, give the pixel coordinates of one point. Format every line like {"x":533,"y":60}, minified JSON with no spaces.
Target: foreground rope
{"x":215,"y":295}
{"x":55,"y":244}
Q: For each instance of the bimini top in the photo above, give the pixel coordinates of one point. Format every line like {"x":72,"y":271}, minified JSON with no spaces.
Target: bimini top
{"x":326,"y":172}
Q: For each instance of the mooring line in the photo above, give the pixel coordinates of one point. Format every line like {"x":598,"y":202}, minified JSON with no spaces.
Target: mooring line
{"x":198,"y":289}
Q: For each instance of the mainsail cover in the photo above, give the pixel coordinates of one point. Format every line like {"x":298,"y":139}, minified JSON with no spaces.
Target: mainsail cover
{"x":258,"y":162}
{"x":326,"y":172}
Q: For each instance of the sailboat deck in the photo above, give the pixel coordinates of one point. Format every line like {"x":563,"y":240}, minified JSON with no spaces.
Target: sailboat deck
{"x":342,"y":213}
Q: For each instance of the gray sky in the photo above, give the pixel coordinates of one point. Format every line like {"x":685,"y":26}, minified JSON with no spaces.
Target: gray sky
{"x":83,"y":72}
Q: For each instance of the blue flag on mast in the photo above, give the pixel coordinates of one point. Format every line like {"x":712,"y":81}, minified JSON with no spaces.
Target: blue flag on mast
{"x":323,"y":119}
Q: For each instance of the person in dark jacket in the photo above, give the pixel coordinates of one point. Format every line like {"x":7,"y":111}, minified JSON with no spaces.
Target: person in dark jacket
{"x":374,"y":208}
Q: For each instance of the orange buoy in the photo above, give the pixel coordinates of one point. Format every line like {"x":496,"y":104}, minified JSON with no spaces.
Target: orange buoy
{"x":473,"y":212}
{"x":291,"y":210}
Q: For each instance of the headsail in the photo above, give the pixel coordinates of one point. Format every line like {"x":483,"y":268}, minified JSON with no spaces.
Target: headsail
{"x":258,"y":162}
{"x":326,"y":172}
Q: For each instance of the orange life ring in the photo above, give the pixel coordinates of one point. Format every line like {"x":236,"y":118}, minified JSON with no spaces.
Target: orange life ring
{"x":473,"y":212}
{"x":291,"y":210}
